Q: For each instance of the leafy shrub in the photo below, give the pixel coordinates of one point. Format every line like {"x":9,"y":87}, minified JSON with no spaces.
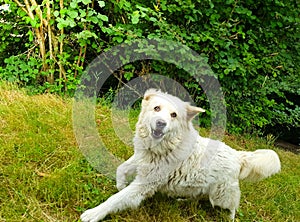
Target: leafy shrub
{"x":252,"y":46}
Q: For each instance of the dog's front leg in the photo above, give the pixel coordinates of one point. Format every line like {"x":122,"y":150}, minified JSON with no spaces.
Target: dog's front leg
{"x":125,"y":170}
{"x":129,"y":197}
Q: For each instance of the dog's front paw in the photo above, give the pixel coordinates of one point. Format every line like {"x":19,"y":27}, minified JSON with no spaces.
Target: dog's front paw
{"x":92,"y":215}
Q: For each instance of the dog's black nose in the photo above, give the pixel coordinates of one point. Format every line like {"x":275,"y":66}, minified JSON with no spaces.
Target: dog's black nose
{"x":160,"y":123}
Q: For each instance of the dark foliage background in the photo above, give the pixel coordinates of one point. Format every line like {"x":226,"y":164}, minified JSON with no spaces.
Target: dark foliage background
{"x":252,"y":46}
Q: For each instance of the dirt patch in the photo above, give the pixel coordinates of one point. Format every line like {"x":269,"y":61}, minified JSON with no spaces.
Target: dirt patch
{"x":288,"y":146}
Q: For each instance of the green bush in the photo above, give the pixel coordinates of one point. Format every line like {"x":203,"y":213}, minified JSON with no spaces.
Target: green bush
{"x":252,"y":46}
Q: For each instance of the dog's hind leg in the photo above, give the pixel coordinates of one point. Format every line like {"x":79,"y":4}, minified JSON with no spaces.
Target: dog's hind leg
{"x":125,"y":171}
{"x":232,"y":214}
{"x":225,"y":195}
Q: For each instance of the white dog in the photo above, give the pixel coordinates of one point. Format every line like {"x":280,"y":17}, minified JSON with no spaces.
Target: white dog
{"x":171,"y":157}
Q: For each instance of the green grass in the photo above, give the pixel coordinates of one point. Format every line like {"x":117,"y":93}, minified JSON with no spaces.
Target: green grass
{"x":45,"y":177}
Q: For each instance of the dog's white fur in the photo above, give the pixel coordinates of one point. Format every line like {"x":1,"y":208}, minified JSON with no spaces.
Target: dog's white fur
{"x":171,"y":157}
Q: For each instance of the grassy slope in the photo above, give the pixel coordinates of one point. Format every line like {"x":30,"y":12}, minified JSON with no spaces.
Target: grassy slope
{"x":44,"y":176}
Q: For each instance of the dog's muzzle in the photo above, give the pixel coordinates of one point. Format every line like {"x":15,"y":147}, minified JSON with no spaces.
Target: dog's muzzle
{"x":158,"y":132}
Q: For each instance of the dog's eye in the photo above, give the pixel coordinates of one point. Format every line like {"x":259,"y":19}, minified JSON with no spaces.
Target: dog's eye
{"x":156,"y":108}
{"x":173,"y":115}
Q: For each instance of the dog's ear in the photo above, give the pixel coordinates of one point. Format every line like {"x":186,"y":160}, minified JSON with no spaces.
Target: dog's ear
{"x":192,"y":111}
{"x":149,"y":93}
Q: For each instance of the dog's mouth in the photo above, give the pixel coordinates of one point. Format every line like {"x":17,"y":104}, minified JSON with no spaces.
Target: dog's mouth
{"x":157,"y":133}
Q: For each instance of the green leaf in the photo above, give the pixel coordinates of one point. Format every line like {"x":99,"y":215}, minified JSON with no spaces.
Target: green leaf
{"x":31,"y":36}
{"x":101,"y":3}
{"x":23,"y":67}
{"x":86,"y":2}
{"x":60,"y":26}
{"x":52,"y":21}
{"x":61,"y":37}
{"x":21,"y":13}
{"x":73,"y":5}
{"x":61,"y":23}
{"x":152,"y":19}
{"x":71,"y":23}
{"x":135,"y":17}
{"x":86,"y":34}
{"x":93,"y":19}
{"x":119,"y":39}
{"x":82,"y":13}
{"x":56,"y":13}
{"x":63,"y":11}
{"x":128,"y":75}
{"x":73,"y":14}
{"x":103,"y":17}
{"x":34,"y":23}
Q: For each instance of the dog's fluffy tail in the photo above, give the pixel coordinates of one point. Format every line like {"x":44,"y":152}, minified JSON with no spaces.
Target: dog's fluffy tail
{"x":258,"y":165}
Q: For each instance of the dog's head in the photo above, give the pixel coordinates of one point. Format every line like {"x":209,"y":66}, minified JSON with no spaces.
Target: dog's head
{"x":163,"y":114}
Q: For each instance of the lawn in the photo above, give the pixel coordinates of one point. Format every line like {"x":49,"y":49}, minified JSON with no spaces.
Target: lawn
{"x":45,"y":177}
